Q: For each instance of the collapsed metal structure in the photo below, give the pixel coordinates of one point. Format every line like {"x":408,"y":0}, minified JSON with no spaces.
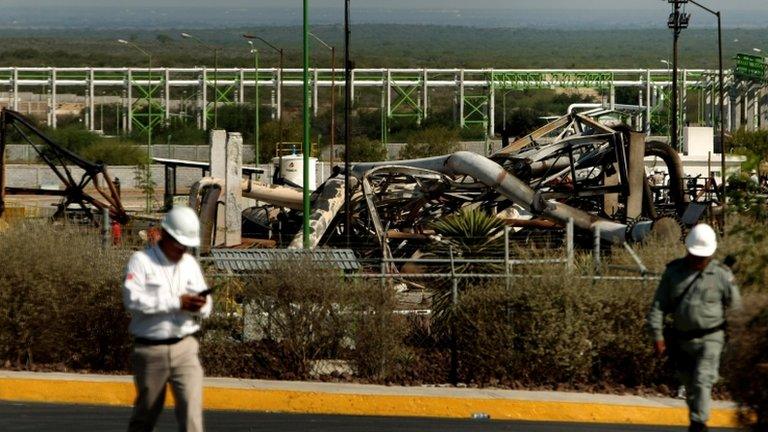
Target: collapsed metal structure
{"x":61,"y":161}
{"x":573,"y":169}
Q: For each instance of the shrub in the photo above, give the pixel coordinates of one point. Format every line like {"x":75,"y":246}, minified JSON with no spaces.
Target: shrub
{"x":60,"y":300}
{"x":433,"y":141}
{"x":747,"y":353}
{"x":367,"y":150}
{"x":558,"y":331}
{"x":112,"y":152}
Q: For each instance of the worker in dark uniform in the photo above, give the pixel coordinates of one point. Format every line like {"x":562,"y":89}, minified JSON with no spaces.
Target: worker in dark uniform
{"x":695,"y":291}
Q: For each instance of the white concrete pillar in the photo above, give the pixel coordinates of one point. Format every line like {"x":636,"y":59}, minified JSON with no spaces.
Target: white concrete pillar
{"x":425,"y":93}
{"x":241,"y":93}
{"x":53,"y":98}
{"x":461,"y":98}
{"x":233,"y":197}
{"x":217,"y":141}
{"x":129,"y":104}
{"x":15,"y":100}
{"x":388,"y":91}
{"x":491,"y":109}
{"x":91,"y":100}
{"x":204,"y":107}
{"x":648,"y":103}
{"x":314,"y":93}
{"x":167,"y":82}
{"x":279,"y":91}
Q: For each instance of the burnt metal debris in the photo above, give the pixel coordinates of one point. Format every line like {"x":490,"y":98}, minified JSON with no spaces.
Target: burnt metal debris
{"x":574,"y":168}
{"x":61,"y":161}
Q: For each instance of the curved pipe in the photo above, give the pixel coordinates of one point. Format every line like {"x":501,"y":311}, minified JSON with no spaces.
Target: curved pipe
{"x":675,"y":168}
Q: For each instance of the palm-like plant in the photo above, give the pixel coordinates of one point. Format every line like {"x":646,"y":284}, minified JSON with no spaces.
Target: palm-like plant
{"x":469,"y":234}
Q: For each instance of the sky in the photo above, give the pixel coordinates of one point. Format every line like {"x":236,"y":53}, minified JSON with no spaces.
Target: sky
{"x":759,"y":5}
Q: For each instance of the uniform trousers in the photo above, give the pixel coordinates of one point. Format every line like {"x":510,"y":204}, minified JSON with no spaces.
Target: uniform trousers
{"x":698,"y":364}
{"x":155,"y":366}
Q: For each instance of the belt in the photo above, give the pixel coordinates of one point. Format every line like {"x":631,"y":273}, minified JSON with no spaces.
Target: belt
{"x":169,"y":341}
{"x":698,"y":333}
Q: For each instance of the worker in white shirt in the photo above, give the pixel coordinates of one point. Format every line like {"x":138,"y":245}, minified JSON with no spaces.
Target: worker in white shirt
{"x":166,"y":296}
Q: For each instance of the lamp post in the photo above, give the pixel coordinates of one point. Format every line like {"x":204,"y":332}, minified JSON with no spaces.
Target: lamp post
{"x":678,"y":21}
{"x":333,"y":92}
{"x":721,"y":80}
{"x":215,"y":76}
{"x":280,"y":78}
{"x":347,"y":109}
{"x":149,"y":117}
{"x":255,"y":53}
{"x":307,"y":144}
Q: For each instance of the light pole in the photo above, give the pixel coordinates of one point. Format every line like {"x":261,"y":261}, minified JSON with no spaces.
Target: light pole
{"x":347,"y":110}
{"x":721,"y":89}
{"x":215,"y":76}
{"x":149,"y":117}
{"x":333,"y":92}
{"x":669,"y":117}
{"x":256,"y":100}
{"x":678,"y":21}
{"x":280,"y":108}
{"x":307,"y":144}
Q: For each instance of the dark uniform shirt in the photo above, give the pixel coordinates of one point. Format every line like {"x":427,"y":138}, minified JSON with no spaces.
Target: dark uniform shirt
{"x":702,"y":307}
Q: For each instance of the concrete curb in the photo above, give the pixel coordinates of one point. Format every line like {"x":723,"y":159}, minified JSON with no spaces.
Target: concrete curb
{"x":369,"y":400}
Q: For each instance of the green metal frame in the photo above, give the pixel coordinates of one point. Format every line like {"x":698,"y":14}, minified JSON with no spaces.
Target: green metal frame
{"x":476,"y":109}
{"x":224,"y":94}
{"x":541,"y":80}
{"x":406,"y":101}
{"x":141,"y":121}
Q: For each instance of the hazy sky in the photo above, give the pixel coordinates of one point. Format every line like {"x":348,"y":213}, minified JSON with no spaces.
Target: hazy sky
{"x":724,"y":5}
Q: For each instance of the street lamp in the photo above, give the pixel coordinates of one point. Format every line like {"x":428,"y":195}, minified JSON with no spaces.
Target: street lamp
{"x":347,"y":130}
{"x":215,"y":76}
{"x":280,"y":78}
{"x":149,"y":117}
{"x":307,"y":144}
{"x":333,"y":92}
{"x":678,"y":21}
{"x":722,"y":97}
{"x":255,"y":53}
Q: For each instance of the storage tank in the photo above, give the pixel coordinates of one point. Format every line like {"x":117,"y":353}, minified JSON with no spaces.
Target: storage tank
{"x":292,"y":170}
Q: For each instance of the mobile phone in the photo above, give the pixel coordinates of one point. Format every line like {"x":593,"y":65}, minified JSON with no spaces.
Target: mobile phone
{"x":207,"y":292}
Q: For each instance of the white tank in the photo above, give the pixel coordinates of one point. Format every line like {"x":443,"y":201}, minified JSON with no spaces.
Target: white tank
{"x":292,"y":170}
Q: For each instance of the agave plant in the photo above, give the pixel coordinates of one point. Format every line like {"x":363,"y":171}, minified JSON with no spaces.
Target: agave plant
{"x":469,"y":234}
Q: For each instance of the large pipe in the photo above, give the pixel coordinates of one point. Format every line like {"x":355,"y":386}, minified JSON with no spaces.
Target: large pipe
{"x":496,"y":177}
{"x":324,"y":210}
{"x":675,"y":168}
{"x":281,"y":196}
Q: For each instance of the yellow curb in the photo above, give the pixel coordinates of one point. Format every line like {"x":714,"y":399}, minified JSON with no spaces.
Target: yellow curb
{"x":307,"y":402}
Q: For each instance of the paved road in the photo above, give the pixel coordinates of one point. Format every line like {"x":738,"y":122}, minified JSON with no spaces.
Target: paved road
{"x":17,"y":417}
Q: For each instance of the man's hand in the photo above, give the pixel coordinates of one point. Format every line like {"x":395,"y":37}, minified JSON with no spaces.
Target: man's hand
{"x":192,"y":302}
{"x":660,"y":347}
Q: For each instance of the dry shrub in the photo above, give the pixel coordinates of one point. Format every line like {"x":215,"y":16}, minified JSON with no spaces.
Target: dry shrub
{"x":310,"y":312}
{"x":557,"y":330}
{"x":60,"y":299}
{"x":745,"y":364}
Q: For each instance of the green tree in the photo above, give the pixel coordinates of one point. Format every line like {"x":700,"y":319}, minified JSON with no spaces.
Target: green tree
{"x":432,"y":141}
{"x":753,"y":144}
{"x":364,"y":149}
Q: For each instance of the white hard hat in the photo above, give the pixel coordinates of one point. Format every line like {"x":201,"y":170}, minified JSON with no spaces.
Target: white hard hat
{"x":183,"y":225}
{"x":701,"y":241}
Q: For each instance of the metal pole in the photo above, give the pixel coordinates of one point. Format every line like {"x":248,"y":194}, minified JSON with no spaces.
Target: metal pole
{"x":596,"y":249}
{"x":454,"y":373}
{"x":722,"y":115}
{"x":307,"y":138}
{"x":333,"y":102}
{"x":569,"y":244}
{"x":105,"y":228}
{"x":149,"y":137}
{"x":256,"y":104}
{"x":347,"y":144}
{"x":506,"y":255}
{"x":676,"y":33}
{"x":280,"y":111}
{"x":216,"y":88}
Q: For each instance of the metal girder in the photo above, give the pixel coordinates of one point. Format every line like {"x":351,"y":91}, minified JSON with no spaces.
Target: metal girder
{"x":539,"y":80}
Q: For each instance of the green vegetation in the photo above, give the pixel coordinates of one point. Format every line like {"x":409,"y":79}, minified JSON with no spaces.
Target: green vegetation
{"x":431,"y":141}
{"x":381,"y":45}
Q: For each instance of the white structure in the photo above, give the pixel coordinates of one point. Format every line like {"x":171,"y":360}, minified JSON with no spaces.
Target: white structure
{"x":292,"y":169}
{"x":699,"y":157}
